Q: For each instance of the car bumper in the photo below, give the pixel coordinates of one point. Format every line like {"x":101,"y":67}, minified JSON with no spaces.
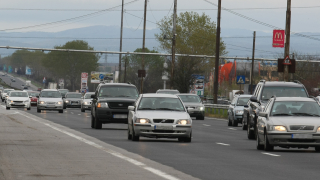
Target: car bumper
{"x":48,"y":107}
{"x":18,"y":105}
{"x":238,"y":118}
{"x":106,"y":115}
{"x":33,"y":102}
{"x":86,"y":107}
{"x":285,"y":139}
{"x":167,"y":131}
{"x":196,"y":113}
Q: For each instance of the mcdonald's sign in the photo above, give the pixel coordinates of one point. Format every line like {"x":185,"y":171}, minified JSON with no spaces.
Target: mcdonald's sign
{"x":278,"y":38}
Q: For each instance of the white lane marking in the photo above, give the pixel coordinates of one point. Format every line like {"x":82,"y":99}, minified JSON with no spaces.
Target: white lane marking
{"x":88,"y":116}
{"x":223,"y":144}
{"x":216,"y":119}
{"x":206,"y":125}
{"x":71,"y":112}
{"x":271,"y":154}
{"x":232,"y":129}
{"x":79,"y":114}
{"x":116,"y":154}
{"x":65,"y":111}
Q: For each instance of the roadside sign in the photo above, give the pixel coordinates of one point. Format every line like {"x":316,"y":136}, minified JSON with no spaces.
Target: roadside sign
{"x":141,"y":73}
{"x":241,"y":80}
{"x":287,"y":61}
{"x":278,"y":38}
{"x":101,"y":76}
{"x":44,"y":80}
{"x":84,"y":75}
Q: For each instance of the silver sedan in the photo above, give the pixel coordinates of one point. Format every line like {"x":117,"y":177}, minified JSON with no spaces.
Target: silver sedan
{"x":159,"y":116}
{"x":289,"y":123}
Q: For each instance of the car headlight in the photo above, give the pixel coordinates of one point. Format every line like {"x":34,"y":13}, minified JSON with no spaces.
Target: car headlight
{"x":239,"y":112}
{"x":102,"y":105}
{"x":278,"y":128}
{"x":42,"y":102}
{"x":86,"y":103}
{"x":201,"y":108}
{"x":142,"y":120}
{"x":318,"y":130}
{"x":183,"y":122}
{"x":60,"y":102}
{"x":67,"y":101}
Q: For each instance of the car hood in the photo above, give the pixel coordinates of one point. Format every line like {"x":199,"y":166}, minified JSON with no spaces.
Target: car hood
{"x":192,"y":104}
{"x":73,"y":99}
{"x":87,"y":100}
{"x":18,"y":98}
{"x":50,"y":99}
{"x":239,"y":108}
{"x":162,"y":114}
{"x":295,"y":120}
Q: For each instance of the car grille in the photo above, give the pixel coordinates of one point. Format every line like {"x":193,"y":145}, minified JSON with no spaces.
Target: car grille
{"x":301,"y":128}
{"x":74,"y":102}
{"x":18,"y":101}
{"x":51,"y":103}
{"x":163,"y":131}
{"x":163,"y":121}
{"x":119,"y":105}
{"x":191,"y":107}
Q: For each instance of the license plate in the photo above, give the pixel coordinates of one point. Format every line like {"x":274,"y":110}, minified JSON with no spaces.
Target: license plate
{"x":120,"y":116}
{"x":163,"y":127}
{"x":301,"y":136}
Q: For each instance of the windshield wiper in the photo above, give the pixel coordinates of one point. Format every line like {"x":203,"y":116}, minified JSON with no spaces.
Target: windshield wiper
{"x":146,"y":109}
{"x":306,"y":114}
{"x":282,"y":114}
{"x":168,"y":109}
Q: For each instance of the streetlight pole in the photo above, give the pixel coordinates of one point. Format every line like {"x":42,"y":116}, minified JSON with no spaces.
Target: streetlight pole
{"x":121,"y":31}
{"x":143,"y":41}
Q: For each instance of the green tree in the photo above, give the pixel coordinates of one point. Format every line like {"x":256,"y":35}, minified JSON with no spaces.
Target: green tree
{"x":70,"y":65}
{"x":196,"y":34}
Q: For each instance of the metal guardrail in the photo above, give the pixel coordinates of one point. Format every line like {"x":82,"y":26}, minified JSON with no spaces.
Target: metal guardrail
{"x":217,"y":106}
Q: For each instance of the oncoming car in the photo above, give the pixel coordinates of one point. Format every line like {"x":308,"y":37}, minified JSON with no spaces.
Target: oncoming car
{"x":159,"y":116}
{"x":18,"y":99}
{"x":194,"y":103}
{"x":51,"y":100}
{"x":86,"y":101}
{"x":167,"y":91}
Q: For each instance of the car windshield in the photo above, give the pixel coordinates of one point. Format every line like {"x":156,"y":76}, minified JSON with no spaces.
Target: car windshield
{"x":295,"y":108}
{"x":243,"y":101}
{"x":18,"y":94}
{"x":118,"y":91}
{"x":33,"y":94}
{"x":168,"y":92}
{"x":190,"y":98}
{"x":73,"y":96}
{"x":63,"y":92}
{"x":161,"y":104}
{"x":268,"y":92}
{"x":7,"y":90}
{"x":87,"y":96}
{"x":50,"y":94}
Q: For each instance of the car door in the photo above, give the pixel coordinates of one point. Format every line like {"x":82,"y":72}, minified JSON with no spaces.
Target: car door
{"x":231,"y":108}
{"x":262,"y":121}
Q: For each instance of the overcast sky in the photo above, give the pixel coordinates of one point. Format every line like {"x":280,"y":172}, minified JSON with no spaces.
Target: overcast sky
{"x":13,"y":13}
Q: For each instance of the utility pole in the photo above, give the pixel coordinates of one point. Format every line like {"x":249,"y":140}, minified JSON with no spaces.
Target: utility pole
{"x":252,"y":63}
{"x":144,"y":41}
{"x":121,"y":31}
{"x":125,"y":69}
{"x":173,"y":43}
{"x":287,"y":44}
{"x":216,"y":72}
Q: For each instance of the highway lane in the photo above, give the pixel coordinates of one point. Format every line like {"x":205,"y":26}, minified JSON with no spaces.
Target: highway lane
{"x":17,"y":84}
{"x":216,"y":151}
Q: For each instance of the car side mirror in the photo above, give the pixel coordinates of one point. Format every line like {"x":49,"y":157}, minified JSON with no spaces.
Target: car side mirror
{"x":245,"y":106}
{"x":253,"y":99}
{"x":131,"y":108}
{"x":263,"y":114}
{"x":93,"y":96}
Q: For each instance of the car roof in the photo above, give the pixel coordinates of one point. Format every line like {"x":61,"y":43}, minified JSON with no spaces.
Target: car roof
{"x":281,"y":83}
{"x":34,"y":91}
{"x":17,"y":91}
{"x":73,"y":93}
{"x":159,"y":95}
{"x":294,"y":99}
{"x":116,"y":84}
{"x":8,"y":89}
{"x":49,"y":90}
{"x":167,"y":90}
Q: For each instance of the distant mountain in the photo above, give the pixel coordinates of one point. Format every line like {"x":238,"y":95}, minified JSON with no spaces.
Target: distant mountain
{"x":238,"y":41}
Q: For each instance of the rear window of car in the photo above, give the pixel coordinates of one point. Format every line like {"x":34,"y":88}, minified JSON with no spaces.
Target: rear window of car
{"x":270,"y":91}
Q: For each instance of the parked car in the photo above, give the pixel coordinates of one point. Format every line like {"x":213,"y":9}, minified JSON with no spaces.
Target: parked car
{"x":18,"y":99}
{"x":194,"y":103}
{"x":167,"y":91}
{"x":4,"y":93}
{"x":289,"y":122}
{"x":110,"y":103}
{"x":159,"y":116}
{"x":235,"y":110}
{"x":72,"y":99}
{"x":33,"y":95}
{"x":263,"y":92}
{"x":50,"y":100}
{"x":86,"y":101}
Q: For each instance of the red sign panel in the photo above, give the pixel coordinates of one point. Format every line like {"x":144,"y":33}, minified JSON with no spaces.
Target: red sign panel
{"x":278,"y":38}
{"x":84,"y":75}
{"x":287,"y":61}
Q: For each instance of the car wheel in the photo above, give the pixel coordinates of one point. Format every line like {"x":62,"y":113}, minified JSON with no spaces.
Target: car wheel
{"x":180,"y":139}
{"x":2,"y":100}
{"x":250,"y":133}
{"x":97,"y":123}
{"x":92,"y":121}
{"x":244,"y":126}
{"x":234,"y":123}
{"x":129,"y":135}
{"x":134,"y":137}
{"x":82,"y":110}
{"x":201,"y":117}
{"x":317,"y":148}
{"x":267,"y":146}
{"x":229,"y":122}
{"x":7,"y":108}
{"x":60,"y":111}
{"x":29,"y":108}
{"x":188,"y":139}
{"x":38,"y":111}
{"x":259,"y":146}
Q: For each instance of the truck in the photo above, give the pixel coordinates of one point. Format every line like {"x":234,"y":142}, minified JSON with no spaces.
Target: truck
{"x":52,"y":85}
{"x":28,"y":83}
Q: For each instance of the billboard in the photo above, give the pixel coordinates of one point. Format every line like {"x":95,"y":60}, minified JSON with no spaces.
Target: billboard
{"x":9,"y":69}
{"x":198,"y":85}
{"x":278,"y":38}
{"x":84,"y":82}
{"x":97,"y":76}
{"x":28,"y":70}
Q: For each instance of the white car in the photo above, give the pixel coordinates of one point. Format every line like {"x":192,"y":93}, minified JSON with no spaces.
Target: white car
{"x":50,"y":100}
{"x":18,"y":99}
{"x":159,"y":116}
{"x":4,"y":93}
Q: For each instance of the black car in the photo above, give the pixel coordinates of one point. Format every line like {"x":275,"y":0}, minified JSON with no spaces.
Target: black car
{"x":110,"y":103}
{"x":262,"y":93}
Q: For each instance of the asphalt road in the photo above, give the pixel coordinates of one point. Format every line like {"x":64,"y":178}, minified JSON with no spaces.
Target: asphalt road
{"x":216,"y":151}
{"x":17,"y":84}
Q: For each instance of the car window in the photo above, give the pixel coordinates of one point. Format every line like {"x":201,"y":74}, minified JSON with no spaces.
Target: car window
{"x":190,"y":98}
{"x":242,"y":101}
{"x":73,"y":96}
{"x":33,"y":94}
{"x":18,"y":94}
{"x":235,"y":99}
{"x":118,"y":91}
{"x":88,"y":96}
{"x":295,"y":108}
{"x":268,"y":106}
{"x":268,"y":92}
{"x":160,"y":103}
{"x":50,"y":94}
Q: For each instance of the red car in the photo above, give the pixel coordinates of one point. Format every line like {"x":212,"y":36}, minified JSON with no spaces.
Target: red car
{"x":33,"y":97}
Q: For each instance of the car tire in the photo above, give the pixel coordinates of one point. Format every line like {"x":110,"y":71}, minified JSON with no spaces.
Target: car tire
{"x":129,"y":134}
{"x":82,"y":110}
{"x":244,"y":126}
{"x":134,"y":137}
{"x":188,"y":139}
{"x":229,"y":122}
{"x":180,"y":139}
{"x":7,"y":108}
{"x":29,"y":108}
{"x":92,"y":121}
{"x":38,"y":111}
{"x":97,"y":123}
{"x":60,"y":111}
{"x":2,"y":100}
{"x":250,"y":133}
{"x":267,"y":146}
{"x":234,"y":123}
{"x":259,"y":146}
{"x":64,"y":107}
{"x":201,"y":117}
{"x":317,"y":148}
